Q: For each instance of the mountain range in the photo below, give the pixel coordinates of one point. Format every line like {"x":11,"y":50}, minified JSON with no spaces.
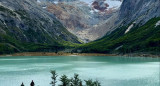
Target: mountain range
{"x":110,"y":26}
{"x":134,"y":28}
{"x":24,"y":25}
{"x":80,"y":16}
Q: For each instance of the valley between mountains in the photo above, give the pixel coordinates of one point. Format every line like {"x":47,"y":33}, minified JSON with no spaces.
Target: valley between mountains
{"x":80,"y":26}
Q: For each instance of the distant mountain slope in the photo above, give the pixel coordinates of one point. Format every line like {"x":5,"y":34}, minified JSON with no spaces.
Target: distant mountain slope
{"x":24,"y":22}
{"x":79,"y":16}
{"x":135,"y":28}
{"x":137,"y":11}
{"x":145,"y":38}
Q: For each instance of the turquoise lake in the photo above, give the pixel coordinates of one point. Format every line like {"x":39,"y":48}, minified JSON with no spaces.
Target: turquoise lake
{"x":110,"y":71}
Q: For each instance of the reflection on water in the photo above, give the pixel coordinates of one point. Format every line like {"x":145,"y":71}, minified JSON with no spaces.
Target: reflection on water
{"x":110,"y":71}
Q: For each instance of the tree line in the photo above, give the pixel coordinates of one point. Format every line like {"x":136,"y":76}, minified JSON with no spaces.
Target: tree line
{"x":65,"y":81}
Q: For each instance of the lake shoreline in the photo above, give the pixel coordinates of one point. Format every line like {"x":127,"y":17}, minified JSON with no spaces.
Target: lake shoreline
{"x":79,"y":54}
{"x":56,"y":54}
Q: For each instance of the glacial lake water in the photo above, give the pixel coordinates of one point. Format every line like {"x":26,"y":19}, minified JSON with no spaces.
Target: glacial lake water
{"x":110,"y":71}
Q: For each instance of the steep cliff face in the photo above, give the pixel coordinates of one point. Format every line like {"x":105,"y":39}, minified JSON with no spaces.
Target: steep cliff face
{"x":135,"y":28}
{"x":79,"y":16}
{"x":27,"y":22}
{"x":131,"y":11}
{"x":139,"y":11}
{"x":71,"y":15}
{"x":25,"y":26}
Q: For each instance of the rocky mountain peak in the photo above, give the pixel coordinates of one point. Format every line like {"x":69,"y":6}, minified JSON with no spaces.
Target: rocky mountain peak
{"x":80,"y":15}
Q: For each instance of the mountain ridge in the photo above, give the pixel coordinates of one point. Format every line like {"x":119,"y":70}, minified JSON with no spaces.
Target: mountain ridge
{"x":79,"y":16}
{"x":132,"y":29}
{"x":41,"y":26}
{"x":24,"y":26}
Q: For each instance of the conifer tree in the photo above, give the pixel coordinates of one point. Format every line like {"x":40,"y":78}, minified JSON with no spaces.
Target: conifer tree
{"x":76,"y":81}
{"x":54,"y":78}
{"x":64,"y":80}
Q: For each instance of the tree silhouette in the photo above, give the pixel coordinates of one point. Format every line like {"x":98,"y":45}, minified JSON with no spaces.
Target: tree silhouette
{"x":22,"y":84}
{"x":73,"y":81}
{"x":76,"y":81}
{"x":64,"y":80}
{"x":54,"y":77}
{"x":32,"y":83}
{"x":90,"y":82}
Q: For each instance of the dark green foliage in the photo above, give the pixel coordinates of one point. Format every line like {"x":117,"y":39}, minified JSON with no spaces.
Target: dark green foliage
{"x":7,"y":48}
{"x":29,"y":34}
{"x":22,"y":84}
{"x":65,"y":80}
{"x":92,"y":83}
{"x":10,"y":45}
{"x":32,"y":83}
{"x":139,"y":39}
{"x":75,"y":81}
{"x":54,"y":78}
{"x":37,"y":41}
{"x":31,"y":37}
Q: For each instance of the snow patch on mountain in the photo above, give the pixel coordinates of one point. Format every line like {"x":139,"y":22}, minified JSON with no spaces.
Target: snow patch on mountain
{"x":103,"y":6}
{"x":80,"y":16}
{"x":114,"y":3}
{"x":129,"y":28}
{"x":89,"y":2}
{"x":38,"y":1}
{"x":111,"y":3}
{"x":56,"y":2}
{"x":157,"y":24}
